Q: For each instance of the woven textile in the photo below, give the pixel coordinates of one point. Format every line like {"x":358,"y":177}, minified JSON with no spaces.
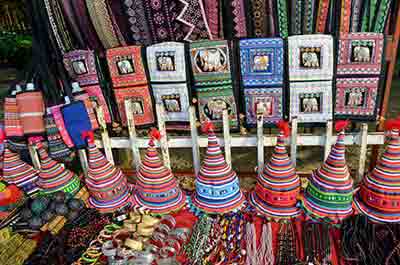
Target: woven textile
{"x":379,"y":194}
{"x":31,"y":111}
{"x":129,"y":81}
{"x":84,"y":97}
{"x":217,"y":185}
{"x":156,"y":187}
{"x":59,"y":121}
{"x":329,"y":193}
{"x":16,"y":171}
{"x":12,"y":122}
{"x":278,"y":186}
{"x":57,"y":148}
{"x":137,"y":20}
{"x":53,"y":176}
{"x":108,"y":187}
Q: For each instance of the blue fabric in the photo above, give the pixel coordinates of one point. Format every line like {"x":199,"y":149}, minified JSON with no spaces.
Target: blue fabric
{"x":76,"y":121}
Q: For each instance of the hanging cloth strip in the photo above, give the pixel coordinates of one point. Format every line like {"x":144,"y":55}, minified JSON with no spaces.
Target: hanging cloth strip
{"x":211,"y":10}
{"x":259,"y":8}
{"x":160,"y":20}
{"x":322,"y":16}
{"x":283,"y":23}
{"x":104,"y":24}
{"x":69,"y":16}
{"x":286,"y":252}
{"x":139,"y":28}
{"x":345,"y":13}
{"x":356,"y":15}
{"x":309,"y":16}
{"x":271,"y":18}
{"x":296,"y":17}
{"x":382,"y":16}
{"x":212,"y":74}
{"x":81,"y":67}
{"x":365,"y":25}
{"x":12,"y":122}
{"x":261,"y":63}
{"x":129,"y":81}
{"x":235,"y":24}
{"x":169,"y":82}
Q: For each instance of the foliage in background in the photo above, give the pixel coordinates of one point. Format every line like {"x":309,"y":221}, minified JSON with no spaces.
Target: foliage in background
{"x":15,"y":49}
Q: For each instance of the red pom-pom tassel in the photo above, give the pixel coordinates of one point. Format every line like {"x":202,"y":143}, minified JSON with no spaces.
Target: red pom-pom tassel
{"x":2,"y":136}
{"x":155,"y":134}
{"x":393,"y":124}
{"x":341,"y":125}
{"x":89,"y":136}
{"x":208,"y":127}
{"x":284,"y":127}
{"x":35,"y":139}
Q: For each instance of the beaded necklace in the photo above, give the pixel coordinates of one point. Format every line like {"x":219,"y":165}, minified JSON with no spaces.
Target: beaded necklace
{"x":286,"y":245}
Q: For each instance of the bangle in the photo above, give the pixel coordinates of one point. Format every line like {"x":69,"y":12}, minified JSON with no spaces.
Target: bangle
{"x":169,"y":221}
{"x":88,"y":259}
{"x":134,"y":244}
{"x":167,"y":251}
{"x":130,"y":225}
{"x":108,"y":249}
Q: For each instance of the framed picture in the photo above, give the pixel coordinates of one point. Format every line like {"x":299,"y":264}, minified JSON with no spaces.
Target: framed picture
{"x":356,"y":97}
{"x":81,"y":67}
{"x":165,"y":60}
{"x":125,"y":66}
{"x":360,"y":54}
{"x":311,"y":57}
{"x":311,"y":101}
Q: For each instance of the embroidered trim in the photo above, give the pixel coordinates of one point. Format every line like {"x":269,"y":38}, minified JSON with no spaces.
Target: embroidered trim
{"x":322,"y":17}
{"x":283,"y":18}
{"x":259,"y":19}
{"x":309,"y":7}
{"x":239,"y":20}
{"x":356,"y":15}
{"x":382,"y":15}
{"x":211,"y":8}
{"x":373,"y":5}
{"x":137,"y":20}
{"x":345,"y":16}
{"x":297,"y":12}
{"x":159,"y":18}
{"x":81,"y":66}
{"x":272,"y":100}
{"x":365,"y":27}
{"x":54,"y":28}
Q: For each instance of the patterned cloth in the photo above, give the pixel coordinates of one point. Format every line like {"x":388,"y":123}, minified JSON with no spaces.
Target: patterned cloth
{"x":379,"y":194}
{"x":57,"y":148}
{"x":217,"y":185}
{"x":31,"y":111}
{"x":16,"y":171}
{"x":107,"y":185}
{"x":156,"y":187}
{"x":278,"y":186}
{"x":12,"y":121}
{"x":329,"y":193}
{"x":53,"y":176}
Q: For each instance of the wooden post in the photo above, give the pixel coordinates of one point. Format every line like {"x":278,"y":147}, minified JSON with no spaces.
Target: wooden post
{"x":328,"y":139}
{"x":84,"y":161}
{"x":195,"y":140}
{"x":104,"y":135}
{"x":260,"y":138}
{"x":163,"y":131}
{"x":293,"y":142}
{"x":363,"y":151}
{"x":132,"y":134}
{"x":34,"y":156}
{"x":227,"y":137}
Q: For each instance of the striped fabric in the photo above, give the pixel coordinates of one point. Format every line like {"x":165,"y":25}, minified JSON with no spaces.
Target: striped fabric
{"x":379,"y":194}
{"x":53,"y":176}
{"x":12,"y":122}
{"x":157,"y":188}
{"x":217,"y":185}
{"x":31,"y":111}
{"x":108,"y":187}
{"x":16,"y":171}
{"x":278,"y":186}
{"x":329,"y":193}
{"x":58,"y":150}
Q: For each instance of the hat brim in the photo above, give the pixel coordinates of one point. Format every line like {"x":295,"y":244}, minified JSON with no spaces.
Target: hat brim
{"x":162,"y":208}
{"x":273,"y":212}
{"x":234,"y":205}
{"x":373,"y":215}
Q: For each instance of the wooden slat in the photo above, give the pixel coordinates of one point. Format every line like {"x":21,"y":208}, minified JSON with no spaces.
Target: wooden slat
{"x":293,"y":142}
{"x":104,"y":134}
{"x":363,"y":152}
{"x":227,"y":137}
{"x":163,"y":132}
{"x":260,"y":139}
{"x":195,"y":141}
{"x":132,"y":133}
{"x":84,"y":161}
{"x":34,"y":156}
{"x":328,"y":139}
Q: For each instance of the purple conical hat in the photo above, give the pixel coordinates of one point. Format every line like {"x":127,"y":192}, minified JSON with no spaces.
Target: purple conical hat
{"x":157,"y":188}
{"x":217,"y":185}
{"x":278,"y":186}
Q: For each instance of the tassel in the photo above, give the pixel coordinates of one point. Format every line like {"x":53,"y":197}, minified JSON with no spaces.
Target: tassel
{"x":393,"y":124}
{"x":208,"y":127}
{"x":284,"y":127}
{"x":2,"y":136}
{"x":341,"y":125}
{"x":251,"y":245}
{"x":89,"y":135}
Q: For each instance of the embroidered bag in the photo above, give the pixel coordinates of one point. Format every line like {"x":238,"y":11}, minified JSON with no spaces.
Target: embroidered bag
{"x":12,"y":121}
{"x":81,"y":95}
{"x":57,"y":148}
{"x":167,"y":68}
{"x":129,"y":80}
{"x":261,"y":67}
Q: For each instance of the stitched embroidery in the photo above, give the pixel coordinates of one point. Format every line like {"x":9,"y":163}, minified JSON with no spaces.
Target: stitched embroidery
{"x":309,"y":7}
{"x":322,"y":17}
{"x":345,"y":16}
{"x":137,"y":20}
{"x":159,"y":17}
{"x":271,"y":100}
{"x":382,"y":15}
{"x":239,"y":20}
{"x":12,"y":121}
{"x":356,"y":15}
{"x":365,"y":27}
{"x":283,"y":18}
{"x":211,"y":9}
{"x":296,"y":15}
{"x":59,"y":120}
{"x":174,"y":98}
{"x":259,"y":19}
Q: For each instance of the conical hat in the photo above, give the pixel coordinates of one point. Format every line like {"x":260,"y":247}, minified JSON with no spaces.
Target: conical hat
{"x":329,"y":193}
{"x":107,"y":185}
{"x":16,"y":171}
{"x":278,"y":186}
{"x":379,"y":193}
{"x":217,"y":185}
{"x":157,"y":188}
{"x":53,"y":176}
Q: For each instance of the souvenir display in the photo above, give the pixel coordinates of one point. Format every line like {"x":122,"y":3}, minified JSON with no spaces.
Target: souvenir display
{"x":217,"y":185}
{"x":53,"y":176}
{"x":211,"y":68}
{"x":107,"y":185}
{"x":81,"y":67}
{"x":130,"y":82}
{"x":12,"y":122}
{"x":359,"y":68}
{"x":278,"y":187}
{"x":329,"y":193}
{"x":261,"y":64}
{"x":378,"y":196}
{"x":167,"y":68}
{"x":156,"y":187}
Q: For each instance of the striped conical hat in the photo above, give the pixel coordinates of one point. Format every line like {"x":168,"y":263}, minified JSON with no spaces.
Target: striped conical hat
{"x":107,"y":185}
{"x":329,"y":193}
{"x":16,"y":171}
{"x":157,"y":189}
{"x":53,"y":176}
{"x":277,"y":188}
{"x":379,"y":193}
{"x":217,"y":185}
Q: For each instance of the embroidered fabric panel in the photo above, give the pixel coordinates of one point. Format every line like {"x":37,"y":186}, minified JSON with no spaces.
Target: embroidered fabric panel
{"x":135,"y":11}
{"x":272,"y":101}
{"x":356,"y":96}
{"x":59,"y":120}
{"x":360,"y":53}
{"x":174,"y":98}
{"x":126,"y":66}
{"x":166,"y":62}
{"x":96,"y":94}
{"x":311,"y":101}
{"x":283,"y":18}
{"x":323,"y":10}
{"x":259,"y":8}
{"x":261,"y":62}
{"x":212,"y":102}
{"x":309,"y":8}
{"x":310,"y":57}
{"x":239,"y":18}
{"x":211,"y":9}
{"x":159,"y":17}
{"x":296,"y":16}
{"x":81,"y":67}
{"x":141,"y":104}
